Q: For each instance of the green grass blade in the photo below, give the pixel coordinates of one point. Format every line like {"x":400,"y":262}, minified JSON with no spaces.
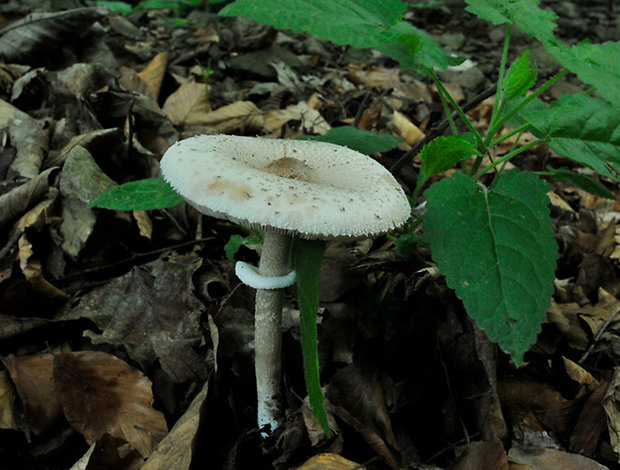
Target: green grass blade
{"x":307,"y":257}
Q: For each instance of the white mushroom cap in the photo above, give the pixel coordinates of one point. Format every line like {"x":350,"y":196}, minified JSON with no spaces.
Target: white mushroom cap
{"x":312,"y":189}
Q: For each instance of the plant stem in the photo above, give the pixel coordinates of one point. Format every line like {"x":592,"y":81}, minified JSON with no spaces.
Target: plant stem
{"x":507,"y":157}
{"x":268,"y":329}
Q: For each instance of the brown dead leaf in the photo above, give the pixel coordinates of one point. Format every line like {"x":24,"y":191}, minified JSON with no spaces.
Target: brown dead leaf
{"x":551,"y":459}
{"x":329,"y":462}
{"x":521,"y":396}
{"x":188,"y":104}
{"x":7,"y":402}
{"x":153,"y":312}
{"x":33,"y":377}
{"x":611,"y":404}
{"x":482,"y":455}
{"x":406,"y":129}
{"x":568,"y":318}
{"x":153,"y":73}
{"x":591,"y":424}
{"x":101,"y":394}
{"x":311,"y":120}
{"x":177,"y":448}
{"x":145,"y":225}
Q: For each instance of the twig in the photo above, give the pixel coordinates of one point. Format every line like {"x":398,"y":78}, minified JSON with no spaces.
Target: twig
{"x":131,"y":259}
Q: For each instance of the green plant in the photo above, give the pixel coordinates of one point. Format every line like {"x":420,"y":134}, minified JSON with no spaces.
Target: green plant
{"x":489,"y":230}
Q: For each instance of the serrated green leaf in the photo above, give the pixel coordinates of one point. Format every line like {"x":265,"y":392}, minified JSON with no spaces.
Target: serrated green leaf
{"x":586,"y":182}
{"x":521,"y":76}
{"x":526,"y":14}
{"x":363,"y":141}
{"x":307,"y":257}
{"x":428,"y":54}
{"x":147,"y":194}
{"x":582,"y":128}
{"x":443,"y":153}
{"x":497,"y":251}
{"x":594,"y":64}
{"x":359,"y":23}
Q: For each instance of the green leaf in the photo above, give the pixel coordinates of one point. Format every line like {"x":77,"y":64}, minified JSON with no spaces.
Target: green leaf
{"x":116,"y":7}
{"x":497,"y":251}
{"x":530,"y":19}
{"x":594,"y":64}
{"x":232,"y":246}
{"x":521,"y":76}
{"x":414,"y":56}
{"x":582,"y":128}
{"x":147,"y":194}
{"x":442,"y":153}
{"x":359,"y":23}
{"x":307,"y":257}
{"x":586,"y":182}
{"x":363,"y":141}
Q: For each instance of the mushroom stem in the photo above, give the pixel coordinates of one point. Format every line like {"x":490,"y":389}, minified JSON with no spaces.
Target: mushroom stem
{"x":268,"y":329}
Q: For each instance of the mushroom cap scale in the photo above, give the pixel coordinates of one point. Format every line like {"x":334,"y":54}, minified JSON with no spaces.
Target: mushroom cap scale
{"x":311,"y":189}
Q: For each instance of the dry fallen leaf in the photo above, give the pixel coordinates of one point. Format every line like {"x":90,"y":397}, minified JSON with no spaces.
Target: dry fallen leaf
{"x":329,"y":462}
{"x":100,"y":394}
{"x":34,"y":382}
{"x":406,"y":129}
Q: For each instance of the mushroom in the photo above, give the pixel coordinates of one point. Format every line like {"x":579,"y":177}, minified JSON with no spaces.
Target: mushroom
{"x":287,"y":188}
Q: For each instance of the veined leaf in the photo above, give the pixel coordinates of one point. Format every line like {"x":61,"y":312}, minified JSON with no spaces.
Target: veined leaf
{"x":586,"y":182}
{"x":414,"y":56}
{"x":147,"y":194}
{"x":530,"y":19}
{"x":594,"y":64}
{"x":363,"y":141}
{"x":521,"y":76}
{"x":359,"y":23}
{"x":582,"y":128}
{"x":497,"y":251}
{"x":443,"y":153}
{"x":307,"y":257}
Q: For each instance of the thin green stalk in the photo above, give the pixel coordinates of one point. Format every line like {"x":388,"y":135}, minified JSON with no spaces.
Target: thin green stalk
{"x":500,"y":139}
{"x":507,"y":157}
{"x":457,"y":108}
{"x":499,"y":94}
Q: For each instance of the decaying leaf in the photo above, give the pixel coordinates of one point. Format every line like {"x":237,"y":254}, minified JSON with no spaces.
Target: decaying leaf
{"x":33,"y":377}
{"x":153,"y":312}
{"x":329,"y":462}
{"x":177,"y":448}
{"x":100,"y":394}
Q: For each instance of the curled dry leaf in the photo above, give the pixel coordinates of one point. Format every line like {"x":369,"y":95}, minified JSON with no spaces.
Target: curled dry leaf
{"x":100,"y":394}
{"x":19,"y":199}
{"x":33,"y":379}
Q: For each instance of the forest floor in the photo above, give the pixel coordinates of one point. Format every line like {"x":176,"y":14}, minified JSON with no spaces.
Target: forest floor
{"x":126,"y":341}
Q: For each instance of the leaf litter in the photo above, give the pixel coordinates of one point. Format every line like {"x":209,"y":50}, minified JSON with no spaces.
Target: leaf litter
{"x":127,"y":341}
